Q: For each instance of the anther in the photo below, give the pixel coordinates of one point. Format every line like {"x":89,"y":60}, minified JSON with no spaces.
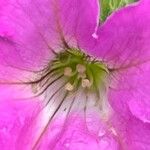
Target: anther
{"x":80,"y":68}
{"x":68,"y":71}
{"x":69,"y":87}
{"x":81,"y":75}
{"x":86,"y":83}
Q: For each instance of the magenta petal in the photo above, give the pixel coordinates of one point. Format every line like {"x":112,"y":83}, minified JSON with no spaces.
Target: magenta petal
{"x":21,"y":43}
{"x":139,"y":104}
{"x":133,"y":94}
{"x":31,"y":30}
{"x":18,"y":109}
{"x":133,"y":134}
{"x":76,"y":134}
{"x":124,"y":39}
{"x":14,"y":116}
{"x":124,"y":43}
{"x":141,"y":109}
{"x":80,"y":20}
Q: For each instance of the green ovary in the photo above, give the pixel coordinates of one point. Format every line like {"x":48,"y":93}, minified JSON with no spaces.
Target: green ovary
{"x":79,"y":70}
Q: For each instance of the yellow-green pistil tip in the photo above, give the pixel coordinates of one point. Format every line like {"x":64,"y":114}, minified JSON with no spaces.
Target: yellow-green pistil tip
{"x":80,"y":70}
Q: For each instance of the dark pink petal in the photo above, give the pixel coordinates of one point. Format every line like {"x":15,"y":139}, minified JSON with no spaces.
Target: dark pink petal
{"x":31,"y":30}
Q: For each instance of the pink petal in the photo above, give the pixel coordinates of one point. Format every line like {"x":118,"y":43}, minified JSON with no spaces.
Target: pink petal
{"x":80,"y":20}
{"x":139,"y":104}
{"x":21,"y":44}
{"x":124,"y":39}
{"x":14,"y":117}
{"x":30,"y":30}
{"x":124,"y":43}
{"x":141,"y":108}
{"x":131,"y":92}
{"x":76,"y":134}
{"x":18,"y":110}
{"x":133,"y":134}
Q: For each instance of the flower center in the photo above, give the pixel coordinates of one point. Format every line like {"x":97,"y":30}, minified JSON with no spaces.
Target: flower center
{"x":71,"y":73}
{"x":79,"y":70}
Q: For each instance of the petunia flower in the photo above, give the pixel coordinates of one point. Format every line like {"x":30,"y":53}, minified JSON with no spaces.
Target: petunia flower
{"x":70,"y":82}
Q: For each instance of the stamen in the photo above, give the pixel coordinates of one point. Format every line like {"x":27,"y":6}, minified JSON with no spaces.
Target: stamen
{"x":69,"y":87}
{"x":81,"y":75}
{"x":80,"y":68}
{"x":86,"y":83}
{"x":68,"y":72}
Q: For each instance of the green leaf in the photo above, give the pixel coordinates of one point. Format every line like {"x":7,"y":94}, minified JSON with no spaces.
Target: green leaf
{"x":109,"y":6}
